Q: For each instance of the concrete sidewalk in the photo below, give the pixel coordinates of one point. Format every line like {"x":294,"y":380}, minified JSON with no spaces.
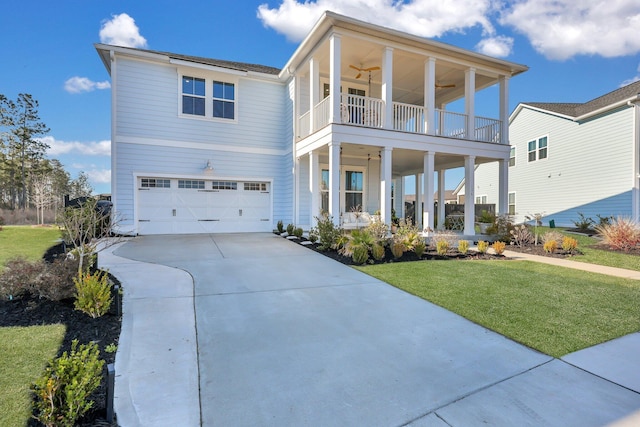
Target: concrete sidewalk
{"x":284,"y":336}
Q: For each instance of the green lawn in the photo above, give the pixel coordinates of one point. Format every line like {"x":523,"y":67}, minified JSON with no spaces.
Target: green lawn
{"x":25,"y":353}
{"x":552,"y":309}
{"x":26,"y":241}
{"x":598,"y":256}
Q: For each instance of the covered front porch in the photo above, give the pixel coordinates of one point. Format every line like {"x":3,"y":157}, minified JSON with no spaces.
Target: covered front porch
{"x":337,"y":172}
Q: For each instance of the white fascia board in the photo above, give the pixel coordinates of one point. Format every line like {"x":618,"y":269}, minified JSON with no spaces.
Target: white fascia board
{"x":190,"y":64}
{"x":608,"y":107}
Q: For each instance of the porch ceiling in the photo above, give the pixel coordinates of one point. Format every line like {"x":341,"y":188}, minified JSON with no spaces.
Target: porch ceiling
{"x":408,"y":71}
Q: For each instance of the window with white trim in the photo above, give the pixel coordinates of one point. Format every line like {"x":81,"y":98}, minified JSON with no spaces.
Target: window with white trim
{"x":481,"y":200}
{"x":538,"y":149}
{"x":353,"y":190}
{"x":191,"y":183}
{"x":155,"y":183}
{"x":324,"y":190}
{"x":512,"y":204}
{"x":512,"y":157}
{"x":193,"y":96}
{"x":224,"y":100}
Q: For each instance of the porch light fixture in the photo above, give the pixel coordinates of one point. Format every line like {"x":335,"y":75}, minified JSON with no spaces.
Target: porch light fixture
{"x":208,"y":168}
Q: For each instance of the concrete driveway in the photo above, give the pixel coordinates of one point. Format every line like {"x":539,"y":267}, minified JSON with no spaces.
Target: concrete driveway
{"x":285,"y":336}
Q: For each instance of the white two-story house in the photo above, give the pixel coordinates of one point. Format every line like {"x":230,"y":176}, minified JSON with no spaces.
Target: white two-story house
{"x":569,"y":159}
{"x":202,"y":145}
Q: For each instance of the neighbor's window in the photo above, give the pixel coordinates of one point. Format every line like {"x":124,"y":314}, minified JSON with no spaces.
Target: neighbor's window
{"x":224,"y":100}
{"x":512,"y":203}
{"x":155,"y":183}
{"x":193,"y":96}
{"x":353,"y":190}
{"x":189,"y":183}
{"x":538,"y":149}
{"x":512,"y":157}
{"x":481,"y":200}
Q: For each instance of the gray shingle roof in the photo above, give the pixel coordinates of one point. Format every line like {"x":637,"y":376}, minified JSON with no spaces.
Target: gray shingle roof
{"x":577,"y":109}
{"x":232,"y":65}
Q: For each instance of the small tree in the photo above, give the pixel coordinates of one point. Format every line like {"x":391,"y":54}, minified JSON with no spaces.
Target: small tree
{"x":82,"y":229}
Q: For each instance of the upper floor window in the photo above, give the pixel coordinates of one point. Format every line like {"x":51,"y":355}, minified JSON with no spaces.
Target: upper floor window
{"x":512,"y":157}
{"x":224,"y":100}
{"x":512,"y":204}
{"x":193,"y":96}
{"x":538,"y":149}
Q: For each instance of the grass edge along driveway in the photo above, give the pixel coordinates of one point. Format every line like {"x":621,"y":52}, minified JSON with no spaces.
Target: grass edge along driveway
{"x":552,"y":309}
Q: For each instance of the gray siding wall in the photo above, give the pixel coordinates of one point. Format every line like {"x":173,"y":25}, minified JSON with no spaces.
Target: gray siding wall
{"x":151,"y":136}
{"x":588,"y":169}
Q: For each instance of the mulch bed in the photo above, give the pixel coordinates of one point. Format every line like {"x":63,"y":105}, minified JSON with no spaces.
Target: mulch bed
{"x":430,"y":254}
{"x":103,"y":331}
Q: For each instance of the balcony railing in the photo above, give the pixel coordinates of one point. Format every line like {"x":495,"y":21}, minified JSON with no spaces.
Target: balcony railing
{"x":369,"y":112}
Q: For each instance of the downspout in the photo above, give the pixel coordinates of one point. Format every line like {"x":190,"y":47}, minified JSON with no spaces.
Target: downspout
{"x":635,"y":192}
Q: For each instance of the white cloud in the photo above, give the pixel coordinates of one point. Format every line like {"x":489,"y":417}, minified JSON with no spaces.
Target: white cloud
{"x":426,"y":18}
{"x":99,"y":176}
{"x":632,"y":79}
{"x":83,"y":84}
{"x":92,"y":148}
{"x":498,"y":46}
{"x":122,"y":30}
{"x":561,"y":29}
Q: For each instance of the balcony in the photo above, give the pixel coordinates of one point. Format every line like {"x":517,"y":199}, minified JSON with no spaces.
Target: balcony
{"x":369,"y":112}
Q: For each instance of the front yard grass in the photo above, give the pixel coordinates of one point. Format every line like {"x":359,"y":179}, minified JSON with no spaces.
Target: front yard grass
{"x":25,"y":353}
{"x":26,"y":241}
{"x":552,"y":309}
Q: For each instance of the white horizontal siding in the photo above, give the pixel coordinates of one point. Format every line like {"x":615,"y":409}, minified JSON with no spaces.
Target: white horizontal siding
{"x":148,"y":106}
{"x":588,"y":169}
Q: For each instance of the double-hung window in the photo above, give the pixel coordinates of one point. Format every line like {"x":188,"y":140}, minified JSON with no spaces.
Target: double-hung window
{"x":224,"y":100}
{"x":512,"y":157}
{"x":193,"y":96}
{"x":512,"y":204}
{"x":538,"y":149}
{"x":353,"y":190}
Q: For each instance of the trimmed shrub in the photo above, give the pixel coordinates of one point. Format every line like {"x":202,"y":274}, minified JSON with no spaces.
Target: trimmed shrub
{"x":569,"y":244}
{"x":377,"y":251}
{"x":93,"y":294}
{"x":360,"y":255}
{"x":63,"y":391}
{"x":550,"y":246}
{"x":280,"y":227}
{"x":298,"y":232}
{"x":419,"y":249}
{"x":463,"y":246}
{"x":398,"y":249}
{"x":483,"y":246}
{"x":498,"y":247}
{"x":442,"y":247}
{"x":290,"y":229}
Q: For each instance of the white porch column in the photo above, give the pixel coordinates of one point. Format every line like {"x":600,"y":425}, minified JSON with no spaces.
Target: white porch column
{"x":314,"y":186}
{"x":334,"y":181}
{"x":441,"y":199}
{"x":429,"y":169}
{"x":385,"y":185}
{"x":314,"y":92}
{"x":430,"y":96}
{"x":334,"y":78}
{"x":504,"y":109}
{"x":503,"y":187}
{"x":469,"y":101}
{"x":419,"y":199}
{"x":387,"y":87}
{"x":469,"y":196}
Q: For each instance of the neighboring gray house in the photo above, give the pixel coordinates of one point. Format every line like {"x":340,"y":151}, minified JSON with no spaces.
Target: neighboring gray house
{"x":568,"y":159}
{"x":202,"y":145}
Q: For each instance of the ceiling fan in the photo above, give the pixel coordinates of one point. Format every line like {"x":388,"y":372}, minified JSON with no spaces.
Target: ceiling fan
{"x":361,"y":69}
{"x":439,"y":86}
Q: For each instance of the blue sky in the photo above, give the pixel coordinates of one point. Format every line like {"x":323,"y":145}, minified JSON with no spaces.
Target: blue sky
{"x":575,"y":53}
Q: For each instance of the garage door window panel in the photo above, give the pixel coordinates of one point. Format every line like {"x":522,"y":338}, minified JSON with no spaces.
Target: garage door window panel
{"x":190,"y":183}
{"x":155,"y":183}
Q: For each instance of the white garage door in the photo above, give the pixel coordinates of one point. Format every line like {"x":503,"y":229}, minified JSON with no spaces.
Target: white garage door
{"x":185,"y":206}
